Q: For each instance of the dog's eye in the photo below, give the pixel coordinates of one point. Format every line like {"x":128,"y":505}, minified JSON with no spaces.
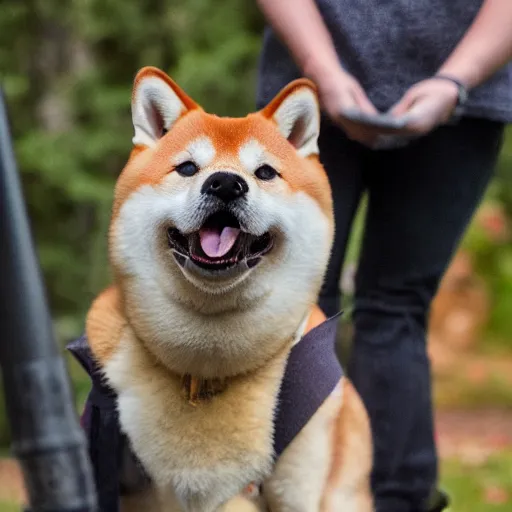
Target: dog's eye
{"x":187,"y":169}
{"x":164,"y":131}
{"x":266,"y":173}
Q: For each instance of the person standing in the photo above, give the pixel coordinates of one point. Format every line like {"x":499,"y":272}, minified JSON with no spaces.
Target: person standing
{"x":426,"y":61}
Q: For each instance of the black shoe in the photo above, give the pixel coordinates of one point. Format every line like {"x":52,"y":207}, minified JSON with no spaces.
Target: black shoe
{"x":437,"y":502}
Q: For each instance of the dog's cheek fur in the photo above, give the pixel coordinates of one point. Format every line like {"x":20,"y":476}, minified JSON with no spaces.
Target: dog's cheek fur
{"x":307,"y":233}
{"x":139,"y":227}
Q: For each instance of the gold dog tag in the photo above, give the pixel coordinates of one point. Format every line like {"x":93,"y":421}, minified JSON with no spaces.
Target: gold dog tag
{"x":195,"y":390}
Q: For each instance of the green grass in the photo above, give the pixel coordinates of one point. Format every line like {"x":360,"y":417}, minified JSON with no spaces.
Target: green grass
{"x":470,"y":487}
{"x":9,"y":507}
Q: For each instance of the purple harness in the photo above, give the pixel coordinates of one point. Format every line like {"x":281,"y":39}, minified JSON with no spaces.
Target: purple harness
{"x":312,"y":372}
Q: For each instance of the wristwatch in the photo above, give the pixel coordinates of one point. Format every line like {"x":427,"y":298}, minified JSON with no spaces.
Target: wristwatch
{"x":462,"y":97}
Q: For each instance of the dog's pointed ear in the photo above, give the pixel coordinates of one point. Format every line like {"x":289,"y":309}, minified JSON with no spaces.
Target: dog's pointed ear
{"x":296,"y":112}
{"x":157,"y":103}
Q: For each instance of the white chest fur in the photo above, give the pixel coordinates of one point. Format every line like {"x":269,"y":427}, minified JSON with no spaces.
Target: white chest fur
{"x":205,"y":453}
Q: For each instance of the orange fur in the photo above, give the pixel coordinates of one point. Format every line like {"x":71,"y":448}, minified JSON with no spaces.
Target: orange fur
{"x":105,"y":324}
{"x":315,"y":318}
{"x":351,"y":453}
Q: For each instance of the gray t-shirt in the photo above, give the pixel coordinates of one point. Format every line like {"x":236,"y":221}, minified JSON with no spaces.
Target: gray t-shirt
{"x":389,"y":45}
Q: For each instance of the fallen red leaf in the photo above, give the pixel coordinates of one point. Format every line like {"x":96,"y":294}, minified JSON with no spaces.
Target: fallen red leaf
{"x":496,"y":495}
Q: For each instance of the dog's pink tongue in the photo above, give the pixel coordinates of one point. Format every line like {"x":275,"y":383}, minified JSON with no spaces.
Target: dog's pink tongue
{"x":217,"y":243}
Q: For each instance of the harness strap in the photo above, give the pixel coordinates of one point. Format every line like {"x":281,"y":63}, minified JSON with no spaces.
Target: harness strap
{"x":312,"y":372}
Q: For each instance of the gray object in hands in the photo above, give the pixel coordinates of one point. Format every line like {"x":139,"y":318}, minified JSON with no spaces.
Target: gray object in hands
{"x":383,"y":121}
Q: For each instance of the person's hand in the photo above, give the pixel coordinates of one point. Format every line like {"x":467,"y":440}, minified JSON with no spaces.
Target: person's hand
{"x":339,"y":91}
{"x":427,"y":105}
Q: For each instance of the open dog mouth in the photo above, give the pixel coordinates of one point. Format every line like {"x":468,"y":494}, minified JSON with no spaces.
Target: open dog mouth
{"x":219,"y":244}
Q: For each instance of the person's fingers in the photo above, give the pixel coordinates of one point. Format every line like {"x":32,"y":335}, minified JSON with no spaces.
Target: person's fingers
{"x":347,"y":100}
{"x":348,"y":95}
{"x":356,"y":98}
{"x":423,"y":107}
{"x":363,"y":101}
{"x":335,"y":102}
{"x":406,"y":103}
{"x":421,"y":117}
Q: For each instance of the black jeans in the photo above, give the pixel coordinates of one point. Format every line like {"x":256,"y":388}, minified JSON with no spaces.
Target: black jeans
{"x":420,"y":200}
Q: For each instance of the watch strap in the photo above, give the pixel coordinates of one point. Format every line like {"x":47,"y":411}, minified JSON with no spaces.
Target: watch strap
{"x":462,"y":89}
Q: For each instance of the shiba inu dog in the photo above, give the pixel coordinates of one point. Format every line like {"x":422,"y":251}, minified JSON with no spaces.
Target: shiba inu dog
{"x":220,"y":234}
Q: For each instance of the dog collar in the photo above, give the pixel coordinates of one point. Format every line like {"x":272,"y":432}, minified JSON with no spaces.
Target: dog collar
{"x":197,"y":389}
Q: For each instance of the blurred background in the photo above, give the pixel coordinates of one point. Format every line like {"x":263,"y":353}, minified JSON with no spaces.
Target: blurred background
{"x":67,"y":69}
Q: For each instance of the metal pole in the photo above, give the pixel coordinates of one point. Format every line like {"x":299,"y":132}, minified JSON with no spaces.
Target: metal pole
{"x":47,"y":438}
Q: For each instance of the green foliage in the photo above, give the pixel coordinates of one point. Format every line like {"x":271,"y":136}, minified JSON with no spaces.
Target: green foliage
{"x":489,"y":241}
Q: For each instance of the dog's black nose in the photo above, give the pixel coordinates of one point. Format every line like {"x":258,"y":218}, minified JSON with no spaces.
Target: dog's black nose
{"x":227,"y":186}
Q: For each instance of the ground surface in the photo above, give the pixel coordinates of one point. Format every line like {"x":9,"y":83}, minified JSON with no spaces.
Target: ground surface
{"x":475,"y":447}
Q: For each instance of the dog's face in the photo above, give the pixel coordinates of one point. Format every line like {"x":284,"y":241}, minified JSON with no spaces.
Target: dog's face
{"x":222,"y":206}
